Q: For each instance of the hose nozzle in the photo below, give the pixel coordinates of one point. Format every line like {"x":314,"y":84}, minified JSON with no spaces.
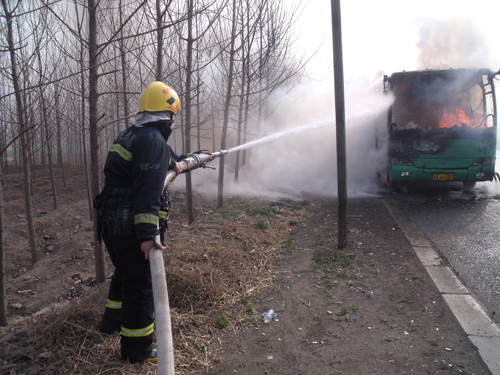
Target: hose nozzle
{"x":195,"y":161}
{"x":219,"y":153}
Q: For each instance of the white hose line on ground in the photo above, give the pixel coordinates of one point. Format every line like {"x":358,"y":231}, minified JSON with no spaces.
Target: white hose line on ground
{"x":164,"y":341}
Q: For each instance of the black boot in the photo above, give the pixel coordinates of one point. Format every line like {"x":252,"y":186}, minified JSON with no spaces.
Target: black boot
{"x":111,"y":321}
{"x":152,"y":357}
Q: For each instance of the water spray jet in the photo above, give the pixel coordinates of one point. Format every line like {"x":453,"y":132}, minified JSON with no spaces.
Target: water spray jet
{"x":366,"y":113}
{"x":280,"y":135}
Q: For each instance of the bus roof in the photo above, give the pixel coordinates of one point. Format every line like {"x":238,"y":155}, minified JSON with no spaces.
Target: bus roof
{"x":445,"y":73}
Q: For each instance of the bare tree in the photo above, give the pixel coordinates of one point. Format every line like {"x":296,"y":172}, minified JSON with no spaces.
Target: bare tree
{"x":60,"y":161}
{"x":22,"y":126}
{"x":124,"y":71}
{"x":212,"y":58}
{"x":3,"y":292}
{"x":188,"y":112}
{"x":95,"y":185}
{"x":193,"y":16}
{"x":227,"y":105}
{"x":46,"y":123}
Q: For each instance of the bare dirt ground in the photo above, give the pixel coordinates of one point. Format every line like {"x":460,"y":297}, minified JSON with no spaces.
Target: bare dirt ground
{"x":368,"y":309}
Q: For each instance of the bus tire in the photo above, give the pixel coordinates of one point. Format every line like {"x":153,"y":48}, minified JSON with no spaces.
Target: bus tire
{"x":469,"y":185}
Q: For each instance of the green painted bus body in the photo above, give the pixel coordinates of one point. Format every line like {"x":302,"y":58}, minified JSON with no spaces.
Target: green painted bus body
{"x":420,"y":148}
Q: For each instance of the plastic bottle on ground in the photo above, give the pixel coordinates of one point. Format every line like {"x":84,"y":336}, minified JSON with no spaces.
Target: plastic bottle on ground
{"x":268,"y":316}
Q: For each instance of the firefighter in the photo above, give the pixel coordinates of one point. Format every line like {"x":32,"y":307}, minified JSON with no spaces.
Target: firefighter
{"x":129,"y":209}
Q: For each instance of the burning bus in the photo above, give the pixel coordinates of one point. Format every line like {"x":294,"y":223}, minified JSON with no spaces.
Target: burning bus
{"x":442,"y":126}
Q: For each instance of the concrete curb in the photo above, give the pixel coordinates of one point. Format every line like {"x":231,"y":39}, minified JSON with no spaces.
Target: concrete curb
{"x":482,"y":332}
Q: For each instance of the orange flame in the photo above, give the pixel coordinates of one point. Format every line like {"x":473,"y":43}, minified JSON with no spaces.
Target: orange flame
{"x":459,"y":118}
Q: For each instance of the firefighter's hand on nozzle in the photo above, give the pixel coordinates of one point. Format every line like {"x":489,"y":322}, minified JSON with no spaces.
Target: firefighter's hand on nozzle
{"x":177,"y":169}
{"x":146,"y":246}
{"x":207,"y":153}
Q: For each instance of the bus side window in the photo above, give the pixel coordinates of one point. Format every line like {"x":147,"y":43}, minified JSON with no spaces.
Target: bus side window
{"x":488,"y":102}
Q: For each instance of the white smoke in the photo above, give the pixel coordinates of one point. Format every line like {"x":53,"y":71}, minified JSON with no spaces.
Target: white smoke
{"x":302,"y":158}
{"x":452,"y":43}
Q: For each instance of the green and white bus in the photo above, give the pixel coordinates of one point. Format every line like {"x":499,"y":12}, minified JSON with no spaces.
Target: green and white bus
{"x":442,"y":126}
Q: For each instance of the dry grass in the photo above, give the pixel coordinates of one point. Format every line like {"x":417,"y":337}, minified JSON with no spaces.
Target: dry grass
{"x":211,"y":266}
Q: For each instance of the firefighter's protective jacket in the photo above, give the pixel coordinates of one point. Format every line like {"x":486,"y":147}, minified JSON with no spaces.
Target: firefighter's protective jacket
{"x":139,"y":159}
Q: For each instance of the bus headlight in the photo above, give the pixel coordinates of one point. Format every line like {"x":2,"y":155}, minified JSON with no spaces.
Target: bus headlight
{"x":405,"y":174}
{"x":480,"y":175}
{"x":484,"y":161}
{"x":400,"y":161}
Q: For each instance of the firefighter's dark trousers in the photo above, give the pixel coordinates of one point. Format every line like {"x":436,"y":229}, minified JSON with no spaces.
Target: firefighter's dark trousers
{"x":130,"y":305}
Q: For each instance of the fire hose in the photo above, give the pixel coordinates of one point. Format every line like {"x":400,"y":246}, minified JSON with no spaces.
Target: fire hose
{"x":164,"y":341}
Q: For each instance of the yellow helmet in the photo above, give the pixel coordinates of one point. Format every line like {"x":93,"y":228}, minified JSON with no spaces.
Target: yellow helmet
{"x":158,"y":97}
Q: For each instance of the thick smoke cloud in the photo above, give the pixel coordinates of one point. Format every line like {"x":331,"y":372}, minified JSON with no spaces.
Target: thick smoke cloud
{"x":302,"y":157}
{"x":452,"y":43}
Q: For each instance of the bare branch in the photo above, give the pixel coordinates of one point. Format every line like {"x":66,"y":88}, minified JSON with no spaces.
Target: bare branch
{"x":102,"y":47}
{"x":70,"y":29}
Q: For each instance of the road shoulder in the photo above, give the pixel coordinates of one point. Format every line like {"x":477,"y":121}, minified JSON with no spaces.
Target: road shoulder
{"x":479,"y":328}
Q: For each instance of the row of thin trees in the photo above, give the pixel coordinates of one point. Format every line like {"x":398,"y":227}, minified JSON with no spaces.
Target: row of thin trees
{"x":71,"y":72}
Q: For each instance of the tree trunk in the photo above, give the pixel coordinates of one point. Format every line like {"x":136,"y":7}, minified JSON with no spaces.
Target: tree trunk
{"x":117,"y":98}
{"x":47,"y":133}
{"x":28,"y":124}
{"x":22,"y":127}
{"x":49,"y":156}
{"x":83,"y":142}
{"x":247,"y":94}
{"x":242,"y":95}
{"x":60,"y":161}
{"x":213,"y":122}
{"x":83,"y":152}
{"x":3,"y":292}
{"x":227,"y":105}
{"x":124,"y":73}
{"x":189,"y":75}
{"x":198,"y":94}
{"x":159,"y":42}
{"x":198,"y":110}
{"x":94,"y":135}
{"x":17,"y":151}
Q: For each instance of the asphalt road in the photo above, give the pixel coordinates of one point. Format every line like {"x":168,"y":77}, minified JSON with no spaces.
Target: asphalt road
{"x":465,"y":229}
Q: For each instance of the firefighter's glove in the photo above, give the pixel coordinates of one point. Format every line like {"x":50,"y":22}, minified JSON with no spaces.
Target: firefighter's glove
{"x":202,"y":152}
{"x":206,"y":152}
{"x":147,"y":245}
